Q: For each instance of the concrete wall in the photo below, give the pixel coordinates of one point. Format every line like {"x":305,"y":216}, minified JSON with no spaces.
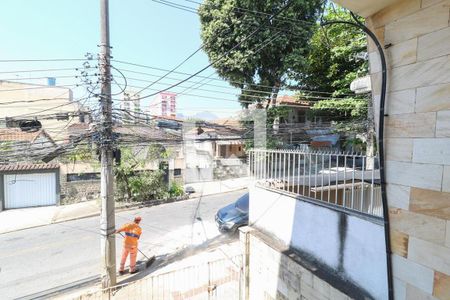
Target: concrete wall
{"x":348,"y":244}
{"x":272,"y":273}
{"x":417,"y":142}
{"x":80,"y":191}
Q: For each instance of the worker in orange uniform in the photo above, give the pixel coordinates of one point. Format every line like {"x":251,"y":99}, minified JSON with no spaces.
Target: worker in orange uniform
{"x":130,"y":244}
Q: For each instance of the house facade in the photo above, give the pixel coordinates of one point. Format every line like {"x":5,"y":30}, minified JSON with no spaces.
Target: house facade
{"x":80,"y":180}
{"x":213,"y":151}
{"x":24,"y":181}
{"x":297,"y":246}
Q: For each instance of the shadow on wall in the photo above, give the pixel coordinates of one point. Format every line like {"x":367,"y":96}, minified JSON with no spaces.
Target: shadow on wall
{"x":333,"y":249}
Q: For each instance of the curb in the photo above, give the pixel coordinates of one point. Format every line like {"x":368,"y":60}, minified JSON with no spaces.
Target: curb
{"x":123,"y":208}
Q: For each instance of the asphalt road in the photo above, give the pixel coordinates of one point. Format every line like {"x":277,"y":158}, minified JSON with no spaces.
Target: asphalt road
{"x":53,"y":256}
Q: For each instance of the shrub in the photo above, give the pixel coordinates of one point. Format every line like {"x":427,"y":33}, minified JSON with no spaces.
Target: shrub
{"x":176,"y":190}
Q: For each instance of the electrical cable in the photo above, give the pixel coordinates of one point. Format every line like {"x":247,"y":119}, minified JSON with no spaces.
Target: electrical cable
{"x":223,"y":55}
{"x":209,"y":77}
{"x":41,"y":60}
{"x":177,"y":6}
{"x":39,"y":70}
{"x":124,"y":78}
{"x":42,"y":87}
{"x":292,"y":21}
{"x":380,"y":143}
{"x":171,"y":71}
{"x":234,"y":100}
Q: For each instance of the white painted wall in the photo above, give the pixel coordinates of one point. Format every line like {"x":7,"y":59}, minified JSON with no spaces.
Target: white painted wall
{"x":315,"y":229}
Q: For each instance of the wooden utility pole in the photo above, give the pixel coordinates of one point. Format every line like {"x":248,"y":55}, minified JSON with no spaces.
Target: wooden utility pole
{"x":107,"y":218}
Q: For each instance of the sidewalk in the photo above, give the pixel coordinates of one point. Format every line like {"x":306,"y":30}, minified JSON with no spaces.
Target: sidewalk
{"x":217,"y":187}
{"x":23,"y":218}
{"x":179,"y":274}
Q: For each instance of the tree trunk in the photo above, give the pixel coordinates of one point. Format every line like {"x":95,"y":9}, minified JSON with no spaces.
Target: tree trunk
{"x":273,"y":103}
{"x":370,"y":141}
{"x":127,"y":184}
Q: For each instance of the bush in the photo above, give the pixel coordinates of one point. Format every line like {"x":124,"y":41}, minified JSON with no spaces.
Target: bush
{"x":176,"y":190}
{"x":144,"y":186}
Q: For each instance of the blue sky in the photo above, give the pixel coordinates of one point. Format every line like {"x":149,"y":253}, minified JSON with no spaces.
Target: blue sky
{"x":142,"y":32}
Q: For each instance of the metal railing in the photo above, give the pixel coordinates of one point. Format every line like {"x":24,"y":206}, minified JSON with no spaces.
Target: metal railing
{"x":214,"y":280}
{"x":347,"y":180}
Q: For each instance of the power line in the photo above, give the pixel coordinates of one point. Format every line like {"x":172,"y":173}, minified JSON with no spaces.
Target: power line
{"x":233,"y":100}
{"x":223,"y":55}
{"x":54,"y":107}
{"x":171,"y":71}
{"x":41,"y":60}
{"x":42,"y":87}
{"x":177,"y":6}
{"x":43,"y":77}
{"x":209,"y":77}
{"x":279,"y":18}
{"x":39,"y":70}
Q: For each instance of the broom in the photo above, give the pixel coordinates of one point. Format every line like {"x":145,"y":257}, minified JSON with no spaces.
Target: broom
{"x":149,"y":261}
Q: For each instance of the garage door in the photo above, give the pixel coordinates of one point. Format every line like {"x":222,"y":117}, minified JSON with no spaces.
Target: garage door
{"x":27,"y":190}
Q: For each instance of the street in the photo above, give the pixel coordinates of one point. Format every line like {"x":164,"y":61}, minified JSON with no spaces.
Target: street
{"x":52,"y":256}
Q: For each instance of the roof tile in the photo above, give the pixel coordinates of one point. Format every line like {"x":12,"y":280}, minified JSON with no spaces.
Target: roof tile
{"x":28,"y":167}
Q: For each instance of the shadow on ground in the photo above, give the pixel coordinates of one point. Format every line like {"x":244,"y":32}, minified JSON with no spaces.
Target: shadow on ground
{"x":164,"y":260}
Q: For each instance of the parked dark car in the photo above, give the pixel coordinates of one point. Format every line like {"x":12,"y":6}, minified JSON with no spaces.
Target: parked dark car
{"x":189,"y":190}
{"x":233,"y":216}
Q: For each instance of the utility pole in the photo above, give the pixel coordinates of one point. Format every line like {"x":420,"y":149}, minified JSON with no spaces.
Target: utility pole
{"x":107,"y":218}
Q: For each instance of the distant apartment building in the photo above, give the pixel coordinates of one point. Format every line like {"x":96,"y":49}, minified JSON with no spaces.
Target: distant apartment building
{"x":131,"y":108}
{"x":164,"y":105}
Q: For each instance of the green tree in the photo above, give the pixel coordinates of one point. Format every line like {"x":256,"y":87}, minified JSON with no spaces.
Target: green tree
{"x":133,"y":182}
{"x":262,"y":64}
{"x":335,"y":56}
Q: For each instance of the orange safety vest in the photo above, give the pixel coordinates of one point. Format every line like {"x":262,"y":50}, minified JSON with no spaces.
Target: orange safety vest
{"x":132,"y":233}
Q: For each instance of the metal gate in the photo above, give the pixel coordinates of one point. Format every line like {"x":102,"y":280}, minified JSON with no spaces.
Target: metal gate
{"x":215,"y":280}
{"x":27,"y":190}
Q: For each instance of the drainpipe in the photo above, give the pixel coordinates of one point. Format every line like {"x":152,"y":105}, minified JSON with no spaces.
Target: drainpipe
{"x":387,"y":234}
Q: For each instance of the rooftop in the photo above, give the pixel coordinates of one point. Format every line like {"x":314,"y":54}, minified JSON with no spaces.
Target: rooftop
{"x":17,"y":135}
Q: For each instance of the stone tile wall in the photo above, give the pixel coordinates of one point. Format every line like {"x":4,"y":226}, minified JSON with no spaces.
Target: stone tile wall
{"x":79,"y":191}
{"x":417,"y":142}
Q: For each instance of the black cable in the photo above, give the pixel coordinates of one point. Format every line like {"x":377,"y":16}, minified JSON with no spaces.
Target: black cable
{"x":41,"y":87}
{"x":38,"y":70}
{"x":305,"y":97}
{"x":223,"y":55}
{"x":207,"y":77}
{"x":41,"y":60}
{"x":124,"y":78}
{"x":380,"y":145}
{"x":177,"y":6}
{"x":171,"y":71}
{"x":290,"y":20}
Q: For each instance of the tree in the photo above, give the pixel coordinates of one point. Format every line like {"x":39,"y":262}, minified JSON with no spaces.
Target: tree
{"x":261,"y":65}
{"x":133,"y":181}
{"x":335,"y":58}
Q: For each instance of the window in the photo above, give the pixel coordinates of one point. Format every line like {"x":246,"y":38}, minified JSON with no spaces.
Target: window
{"x":84,"y":176}
{"x":176,"y":172}
{"x":223,"y":150}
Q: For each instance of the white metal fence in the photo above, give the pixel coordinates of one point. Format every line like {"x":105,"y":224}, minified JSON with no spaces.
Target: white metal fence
{"x":215,"y":280}
{"x":347,"y":180}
